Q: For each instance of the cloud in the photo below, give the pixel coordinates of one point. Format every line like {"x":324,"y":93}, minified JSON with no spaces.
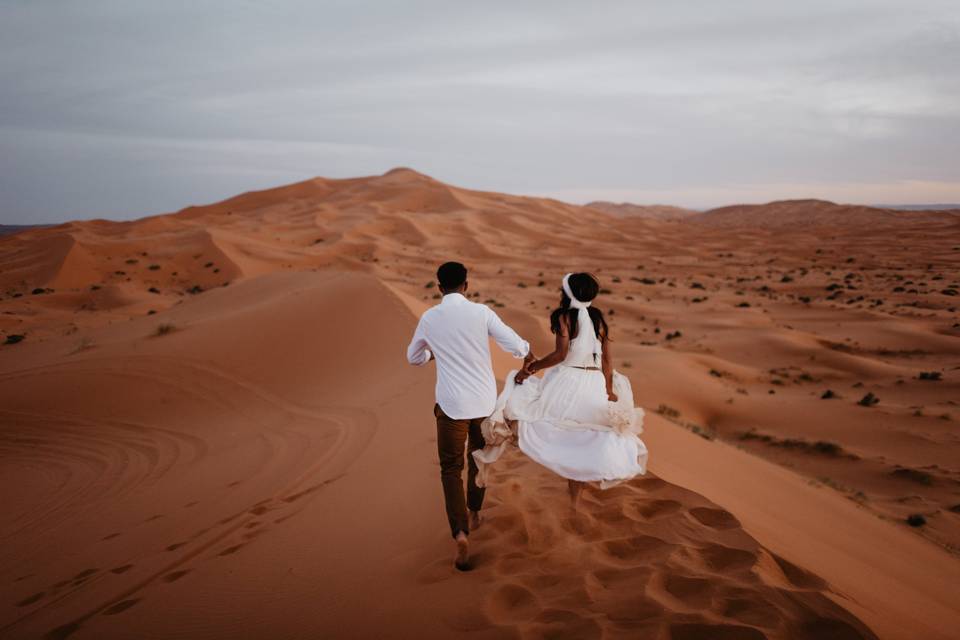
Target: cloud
{"x":111,"y":108}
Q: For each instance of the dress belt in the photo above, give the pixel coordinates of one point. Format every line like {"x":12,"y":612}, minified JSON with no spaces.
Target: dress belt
{"x":584,"y":368}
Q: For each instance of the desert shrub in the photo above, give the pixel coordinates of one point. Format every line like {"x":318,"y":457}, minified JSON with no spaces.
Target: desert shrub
{"x":930,"y":375}
{"x":914,"y":475}
{"x":667,"y":411}
{"x":916,"y":520}
{"x":154,"y":267}
{"x":165,"y":329}
{"x":828,"y":448}
{"x":868,"y":400}
{"x":14,"y":338}
{"x":827,"y":395}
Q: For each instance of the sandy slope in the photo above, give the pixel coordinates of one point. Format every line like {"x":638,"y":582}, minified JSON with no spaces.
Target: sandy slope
{"x":268,"y":468}
{"x":655,"y":211}
{"x":209,"y":429}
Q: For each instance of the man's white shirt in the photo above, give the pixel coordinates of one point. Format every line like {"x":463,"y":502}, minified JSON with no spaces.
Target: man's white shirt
{"x":456,"y":331}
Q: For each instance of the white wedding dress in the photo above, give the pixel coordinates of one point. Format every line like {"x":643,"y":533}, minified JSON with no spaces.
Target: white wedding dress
{"x":565,"y":422}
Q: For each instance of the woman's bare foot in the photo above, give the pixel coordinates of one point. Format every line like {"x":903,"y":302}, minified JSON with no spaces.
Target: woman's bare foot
{"x":574,"y":488}
{"x":462,"y":559}
{"x":475,"y":520}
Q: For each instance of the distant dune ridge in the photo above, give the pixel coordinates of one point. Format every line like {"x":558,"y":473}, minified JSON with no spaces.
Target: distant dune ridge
{"x":7,"y":229}
{"x":209,"y":428}
{"x":654,"y":211}
{"x":817,"y":213}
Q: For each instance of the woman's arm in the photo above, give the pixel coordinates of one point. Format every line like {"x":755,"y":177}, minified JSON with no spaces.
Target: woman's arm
{"x":554,"y":358}
{"x":607,"y":366}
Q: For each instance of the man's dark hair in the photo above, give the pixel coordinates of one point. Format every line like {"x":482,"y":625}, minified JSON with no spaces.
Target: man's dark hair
{"x":451,"y":275}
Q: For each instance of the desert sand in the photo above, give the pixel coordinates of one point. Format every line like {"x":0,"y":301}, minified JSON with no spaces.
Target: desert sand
{"x":208,"y":428}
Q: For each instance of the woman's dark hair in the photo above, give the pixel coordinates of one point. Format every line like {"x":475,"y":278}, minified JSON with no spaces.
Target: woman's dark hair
{"x":451,"y":275}
{"x":584,"y":288}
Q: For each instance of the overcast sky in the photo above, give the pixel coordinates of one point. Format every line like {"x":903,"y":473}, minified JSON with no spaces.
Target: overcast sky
{"x":124,"y":108}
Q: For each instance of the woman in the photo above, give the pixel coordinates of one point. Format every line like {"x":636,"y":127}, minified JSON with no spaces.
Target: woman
{"x":579,"y":419}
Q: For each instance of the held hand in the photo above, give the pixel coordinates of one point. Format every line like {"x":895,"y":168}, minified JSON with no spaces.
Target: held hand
{"x":611,"y":396}
{"x":521,"y":376}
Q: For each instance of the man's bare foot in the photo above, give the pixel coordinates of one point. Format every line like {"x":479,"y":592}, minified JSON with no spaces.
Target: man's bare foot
{"x":462,"y":559}
{"x":475,"y":520}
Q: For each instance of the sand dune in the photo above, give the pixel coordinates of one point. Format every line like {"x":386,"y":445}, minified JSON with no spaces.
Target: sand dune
{"x":652,"y":211}
{"x":209,"y":429}
{"x":793,"y":214}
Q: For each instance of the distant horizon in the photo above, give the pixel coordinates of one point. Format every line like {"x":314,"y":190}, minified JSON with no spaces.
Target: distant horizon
{"x":910,"y":206}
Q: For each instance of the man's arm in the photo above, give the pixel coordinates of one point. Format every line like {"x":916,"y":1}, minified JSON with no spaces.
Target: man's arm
{"x":418,"y":353}
{"x":506,"y":337}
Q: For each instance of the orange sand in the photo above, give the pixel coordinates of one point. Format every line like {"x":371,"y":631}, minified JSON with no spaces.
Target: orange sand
{"x":256,"y":458}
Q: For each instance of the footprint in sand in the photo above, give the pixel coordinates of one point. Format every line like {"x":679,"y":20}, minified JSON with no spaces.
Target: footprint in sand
{"x":634,"y":611}
{"x":751,"y":610}
{"x":715,"y":518}
{"x":640,"y":548}
{"x":562,"y":623}
{"x":512,"y":603}
{"x":800,"y":578}
{"x":720,"y":558}
{"x":654,"y":509}
{"x":693,"y":592}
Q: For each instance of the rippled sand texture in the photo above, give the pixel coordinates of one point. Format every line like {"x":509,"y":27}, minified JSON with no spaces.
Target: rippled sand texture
{"x":208,"y":428}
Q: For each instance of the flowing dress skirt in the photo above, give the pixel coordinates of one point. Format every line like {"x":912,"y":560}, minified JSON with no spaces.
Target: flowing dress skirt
{"x":565,"y":422}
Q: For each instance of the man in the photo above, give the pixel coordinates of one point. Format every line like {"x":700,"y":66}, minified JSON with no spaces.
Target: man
{"x":455,"y":333}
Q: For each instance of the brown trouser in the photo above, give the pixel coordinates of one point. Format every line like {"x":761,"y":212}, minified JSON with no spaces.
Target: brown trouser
{"x":451,"y":436}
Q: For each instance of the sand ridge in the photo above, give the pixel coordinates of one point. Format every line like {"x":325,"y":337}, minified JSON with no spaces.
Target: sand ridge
{"x":201,"y":400}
